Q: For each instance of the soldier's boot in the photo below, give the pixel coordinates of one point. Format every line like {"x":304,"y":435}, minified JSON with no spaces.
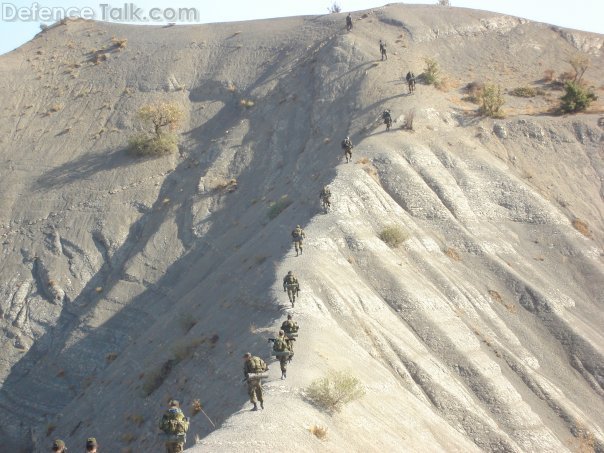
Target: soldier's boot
{"x":300,"y":250}
{"x":283,"y":375}
{"x":255,"y":408}
{"x":261,"y":404}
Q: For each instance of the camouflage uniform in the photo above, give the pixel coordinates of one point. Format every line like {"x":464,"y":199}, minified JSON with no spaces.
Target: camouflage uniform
{"x":91,"y":445}
{"x":254,"y":386}
{"x":297,"y":236}
{"x":290,"y":327}
{"x":383,"y":50}
{"x":387,"y":119}
{"x":175,"y":425}
{"x":58,"y":446}
{"x":280,"y":345}
{"x":348,"y":22}
{"x":347,"y":147}
{"x":290,"y":284}
{"x":324,"y":196}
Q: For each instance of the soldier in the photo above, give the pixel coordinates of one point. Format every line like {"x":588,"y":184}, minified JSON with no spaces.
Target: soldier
{"x":324,"y":196}
{"x":290,"y":327}
{"x":348,"y":22}
{"x":282,"y":351}
{"x":410,"y":81}
{"x":383,"y":50}
{"x":175,"y":425}
{"x":254,"y":385}
{"x":59,"y":446}
{"x":91,"y":445}
{"x":387,"y":119}
{"x":291,"y":285}
{"x":347,"y":147}
{"x":297,"y":236}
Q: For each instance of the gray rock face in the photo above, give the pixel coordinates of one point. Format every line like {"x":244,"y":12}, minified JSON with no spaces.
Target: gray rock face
{"x":127,"y":282}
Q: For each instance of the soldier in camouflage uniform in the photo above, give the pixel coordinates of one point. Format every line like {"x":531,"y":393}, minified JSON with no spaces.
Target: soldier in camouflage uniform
{"x":290,"y":327}
{"x":254,"y":385}
{"x":297,"y":236}
{"x":291,"y":285}
{"x":175,"y":425}
{"x":58,"y":446}
{"x":325,"y":195}
{"x":347,"y":147}
{"x":282,"y":351}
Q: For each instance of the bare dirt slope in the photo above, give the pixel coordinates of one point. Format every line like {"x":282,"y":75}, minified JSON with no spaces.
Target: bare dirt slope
{"x":128,"y":281}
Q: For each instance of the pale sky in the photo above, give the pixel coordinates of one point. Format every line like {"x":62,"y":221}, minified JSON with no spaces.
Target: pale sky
{"x":585,"y":15}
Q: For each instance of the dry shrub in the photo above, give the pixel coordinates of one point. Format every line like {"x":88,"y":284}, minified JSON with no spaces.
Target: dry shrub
{"x":444,"y":2}
{"x":231,"y":87}
{"x":548,"y":75}
{"x":393,"y":236}
{"x":582,"y":227}
{"x":408,"y":120}
{"x":334,"y":8}
{"x":586,"y":441}
{"x":161,"y":116}
{"x":111,"y":356}
{"x":320,"y":432}
{"x":526,"y":92}
{"x":128,"y":438}
{"x":335,"y":390}
{"x":120,"y":43}
{"x":57,"y":107}
{"x":137,"y":419}
{"x":580,"y":63}
{"x":187,"y":321}
{"x":363,"y":161}
{"x":195,"y":407}
{"x":50,"y":428}
{"x":143,"y":145}
{"x":491,"y":101}
{"x":495,"y":296}
{"x":431,"y":74}
{"x":473,"y":92}
{"x":453,"y":254}
{"x":185,"y":348}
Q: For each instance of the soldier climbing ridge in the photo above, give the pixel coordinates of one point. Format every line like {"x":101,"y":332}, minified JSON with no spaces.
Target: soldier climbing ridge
{"x":282,"y":352}
{"x":252,"y":367}
{"x":383,"y":50}
{"x":325,"y":196}
{"x":174,"y":425}
{"x":291,"y":285}
{"x":290,"y":327}
{"x":347,"y":147}
{"x":387,"y":119}
{"x":410,"y":81}
{"x":297,"y":236}
{"x":348,"y":22}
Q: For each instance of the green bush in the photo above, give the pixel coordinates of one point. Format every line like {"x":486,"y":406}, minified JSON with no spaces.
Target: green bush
{"x":393,"y":236}
{"x":335,"y":390}
{"x":525,"y":92}
{"x":145,"y":145}
{"x":431,"y":73}
{"x":491,"y":101}
{"x":577,"y":98}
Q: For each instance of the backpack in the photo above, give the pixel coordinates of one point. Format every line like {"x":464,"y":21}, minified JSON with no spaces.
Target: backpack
{"x":257,"y":365}
{"x":280,"y":345}
{"x":290,"y":280}
{"x":174,"y":423}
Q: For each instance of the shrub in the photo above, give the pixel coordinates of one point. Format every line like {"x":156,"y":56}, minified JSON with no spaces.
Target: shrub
{"x":57,"y":107}
{"x":576,"y":98}
{"x":409,"y":118}
{"x":120,"y":43}
{"x":319,"y":431}
{"x":195,"y":407}
{"x":582,"y":227}
{"x":187,"y":321}
{"x":185,"y":348}
{"x":161,"y":116}
{"x":334,"y":8}
{"x":393,"y":236}
{"x":453,"y":254}
{"x":277,"y":207}
{"x":491,"y":101}
{"x":247,"y":103}
{"x":335,"y":390}
{"x":444,"y":2}
{"x":525,"y":92}
{"x":145,"y":145}
{"x":431,"y":71}
{"x":548,"y":75}
{"x":579,"y":62}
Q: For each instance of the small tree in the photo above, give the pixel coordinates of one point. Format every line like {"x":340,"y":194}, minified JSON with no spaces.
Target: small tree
{"x":160,"y":120}
{"x":334,"y":8}
{"x":580,"y":62}
{"x":444,"y":2}
{"x":431,"y":71}
{"x":577,"y":98}
{"x":491,"y":101}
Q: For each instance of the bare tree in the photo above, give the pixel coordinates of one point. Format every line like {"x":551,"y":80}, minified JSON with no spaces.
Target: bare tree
{"x":334,"y":8}
{"x":580,"y":62}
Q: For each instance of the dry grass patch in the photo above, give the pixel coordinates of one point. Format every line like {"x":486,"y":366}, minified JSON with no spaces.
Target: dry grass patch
{"x":247,"y":103}
{"x":582,"y":227}
{"x":57,"y":107}
{"x":277,"y":207}
{"x":335,"y":390}
{"x":453,"y":254}
{"x":495,"y":296}
{"x":393,"y":236}
{"x":320,"y":432}
{"x":120,"y":43}
{"x":195,"y":407}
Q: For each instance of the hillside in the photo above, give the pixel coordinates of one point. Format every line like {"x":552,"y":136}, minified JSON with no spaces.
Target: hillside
{"x":130,"y":281}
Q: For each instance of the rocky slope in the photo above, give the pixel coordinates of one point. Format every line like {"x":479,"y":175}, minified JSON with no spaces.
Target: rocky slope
{"x":128,"y":281}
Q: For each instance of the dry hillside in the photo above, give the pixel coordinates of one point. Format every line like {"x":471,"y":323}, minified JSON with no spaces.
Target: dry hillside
{"x":126,"y":281}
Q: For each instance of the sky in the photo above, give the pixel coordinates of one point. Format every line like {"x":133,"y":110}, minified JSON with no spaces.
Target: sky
{"x":19,"y":20}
